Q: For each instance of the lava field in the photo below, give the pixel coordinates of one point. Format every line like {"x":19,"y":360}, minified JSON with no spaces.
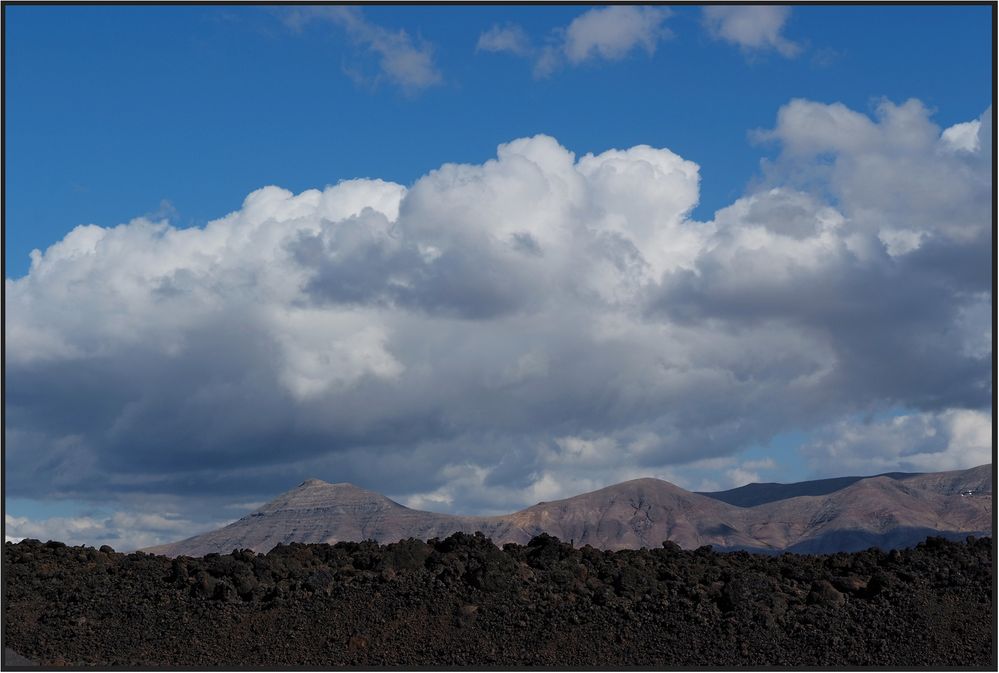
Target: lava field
{"x":462,"y":601}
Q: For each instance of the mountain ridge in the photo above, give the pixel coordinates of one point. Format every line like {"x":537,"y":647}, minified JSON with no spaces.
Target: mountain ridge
{"x":881,"y":510}
{"x":761,"y":493}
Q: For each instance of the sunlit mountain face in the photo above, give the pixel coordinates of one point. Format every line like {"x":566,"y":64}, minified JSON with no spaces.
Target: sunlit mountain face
{"x":851,"y":514}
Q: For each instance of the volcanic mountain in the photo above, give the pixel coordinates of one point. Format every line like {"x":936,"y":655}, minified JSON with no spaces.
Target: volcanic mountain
{"x":892,"y":510}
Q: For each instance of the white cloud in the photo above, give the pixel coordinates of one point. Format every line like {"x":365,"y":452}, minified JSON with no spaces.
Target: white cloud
{"x":509,"y":38}
{"x":963,"y":137}
{"x":609,"y":33}
{"x":121,"y":530}
{"x":725,"y":472}
{"x":401,"y":62}
{"x":562,"y":468}
{"x":900,"y":242}
{"x":896,"y":174}
{"x":747,"y":472}
{"x":751,"y":27}
{"x":860,"y":204}
{"x":740,"y":476}
{"x":324,"y":350}
{"x":612,"y":32}
{"x":525,"y":328}
{"x":919,"y":442}
{"x":806,"y":128}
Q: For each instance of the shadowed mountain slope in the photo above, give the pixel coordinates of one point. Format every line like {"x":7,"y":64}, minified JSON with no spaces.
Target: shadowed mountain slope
{"x":752,"y":495}
{"x":887,"y":511}
{"x":976,"y":481}
{"x":879,"y":511}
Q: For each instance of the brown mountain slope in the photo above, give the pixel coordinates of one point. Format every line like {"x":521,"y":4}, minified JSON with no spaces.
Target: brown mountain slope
{"x":870,"y":509}
{"x":976,"y":481}
{"x":317,"y":511}
{"x":632,"y":514}
{"x":639,"y":513}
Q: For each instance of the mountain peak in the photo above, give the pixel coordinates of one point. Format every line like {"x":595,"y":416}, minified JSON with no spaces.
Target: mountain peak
{"x":640,"y":513}
{"x":314,"y":494}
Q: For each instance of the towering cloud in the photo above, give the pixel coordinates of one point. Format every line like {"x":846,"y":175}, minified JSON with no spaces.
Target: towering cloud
{"x":525,"y":328}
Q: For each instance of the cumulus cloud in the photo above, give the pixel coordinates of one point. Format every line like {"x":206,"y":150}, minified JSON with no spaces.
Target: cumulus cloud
{"x":955,"y":439}
{"x":608,"y":33}
{"x":525,"y":328}
{"x":888,"y":270}
{"x":963,"y":137}
{"x":753,"y":28}
{"x":612,"y":32}
{"x":895,"y":173}
{"x":401,"y":62}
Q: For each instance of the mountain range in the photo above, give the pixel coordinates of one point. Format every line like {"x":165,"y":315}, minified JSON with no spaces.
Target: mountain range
{"x":824,"y":516}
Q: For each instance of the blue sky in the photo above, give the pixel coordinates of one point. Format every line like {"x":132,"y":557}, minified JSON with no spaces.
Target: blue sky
{"x":791,"y":281}
{"x":113,"y":110}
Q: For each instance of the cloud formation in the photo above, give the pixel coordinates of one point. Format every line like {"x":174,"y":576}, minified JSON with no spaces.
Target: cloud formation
{"x":509,"y":38}
{"x":612,"y":32}
{"x":947,"y":440}
{"x":753,"y":28}
{"x":608,"y":33}
{"x":402,"y":63}
{"x":120,"y":530}
{"x":525,"y":328}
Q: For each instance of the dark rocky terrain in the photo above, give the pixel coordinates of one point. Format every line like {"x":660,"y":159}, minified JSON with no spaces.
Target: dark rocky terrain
{"x":462,"y":601}
{"x":826,"y":516}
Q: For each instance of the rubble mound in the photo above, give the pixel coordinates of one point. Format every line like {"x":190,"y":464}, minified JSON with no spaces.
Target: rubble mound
{"x":462,"y":601}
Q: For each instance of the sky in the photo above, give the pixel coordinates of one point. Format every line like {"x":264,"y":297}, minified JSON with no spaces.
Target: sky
{"x":478,"y":257}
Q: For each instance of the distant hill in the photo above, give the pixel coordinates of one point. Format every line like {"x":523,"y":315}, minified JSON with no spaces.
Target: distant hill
{"x":316,"y":511}
{"x":893,"y":510}
{"x":751,"y":495}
